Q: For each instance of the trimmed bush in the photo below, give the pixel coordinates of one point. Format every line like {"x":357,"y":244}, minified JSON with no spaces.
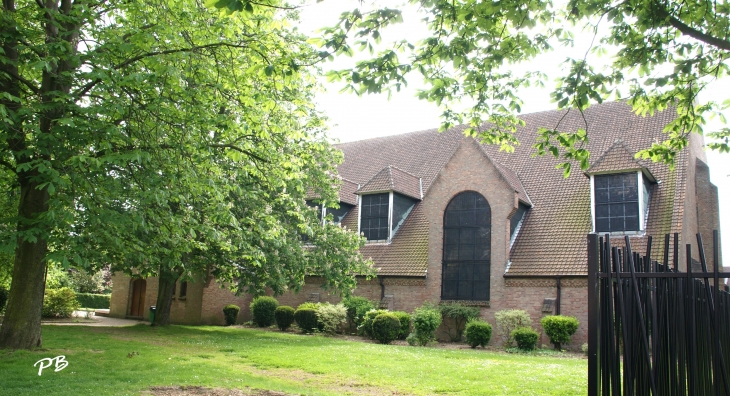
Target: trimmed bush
{"x":458,"y":314}
{"x":405,"y":324}
{"x":262,"y":310}
{"x":59,"y":303}
{"x":3,"y":298}
{"x":559,"y":329}
{"x":366,"y":327}
{"x":509,"y":320}
{"x":97,"y":301}
{"x":357,"y":307}
{"x":310,"y":305}
{"x":306,"y":319}
{"x":230,"y":312}
{"x":426,"y":320}
{"x":284,"y":315}
{"x":386,"y":328}
{"x":330,"y":317}
{"x":525,"y":337}
{"x":478,"y":332}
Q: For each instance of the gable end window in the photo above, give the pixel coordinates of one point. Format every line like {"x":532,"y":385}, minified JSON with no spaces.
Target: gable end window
{"x":374,"y":216}
{"x":620,"y":202}
{"x":467,"y":248}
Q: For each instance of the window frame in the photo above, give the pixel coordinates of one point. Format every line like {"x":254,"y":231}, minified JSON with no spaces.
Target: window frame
{"x":390,"y":216}
{"x":460,"y":265}
{"x":642,"y":202}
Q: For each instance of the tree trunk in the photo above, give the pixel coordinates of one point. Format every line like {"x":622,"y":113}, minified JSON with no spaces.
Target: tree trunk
{"x":168,"y":277}
{"x":21,"y":327}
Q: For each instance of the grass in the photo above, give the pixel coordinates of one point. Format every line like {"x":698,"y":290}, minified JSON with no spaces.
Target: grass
{"x":129,"y":360}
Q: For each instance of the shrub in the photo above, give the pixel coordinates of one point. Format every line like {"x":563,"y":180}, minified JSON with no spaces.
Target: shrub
{"x":330,"y":317}
{"x":366,"y":327}
{"x":508,"y":320}
{"x":412,"y":340}
{"x":59,"y":303}
{"x":3,"y":298}
{"x":584,"y":348}
{"x":98,"y":301}
{"x":262,"y":310}
{"x":405,"y":324}
{"x":306,"y":319}
{"x":559,"y":329}
{"x":310,"y":305}
{"x":478,"y":332}
{"x":230,"y":312}
{"x":386,"y":328}
{"x":525,"y":337}
{"x":458,"y":314}
{"x":426,"y":320}
{"x":357,"y":307}
{"x":284,"y":317}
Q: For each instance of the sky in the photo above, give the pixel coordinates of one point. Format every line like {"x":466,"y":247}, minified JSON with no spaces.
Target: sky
{"x":356,"y":118}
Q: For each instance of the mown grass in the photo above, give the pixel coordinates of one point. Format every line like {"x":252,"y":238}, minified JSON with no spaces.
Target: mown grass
{"x":129,"y":360}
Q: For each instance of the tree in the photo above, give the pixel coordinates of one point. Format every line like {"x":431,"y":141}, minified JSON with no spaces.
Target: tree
{"x":666,"y":53}
{"x":160,"y":140}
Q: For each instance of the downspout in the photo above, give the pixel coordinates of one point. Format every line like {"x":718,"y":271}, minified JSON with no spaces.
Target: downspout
{"x":557,"y":299}
{"x":382,"y":288}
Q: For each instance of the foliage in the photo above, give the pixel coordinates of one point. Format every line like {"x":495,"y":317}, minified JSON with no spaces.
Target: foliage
{"x":525,"y":337}
{"x":508,"y":320}
{"x":311,"y":305}
{"x":426,"y":319}
{"x":458,"y":314}
{"x":262,"y":310}
{"x":284,"y":317}
{"x":366,"y":327}
{"x":306,"y":319}
{"x":3,"y":298}
{"x":357,"y":307}
{"x":331,"y":317}
{"x":559,"y":328}
{"x":584,"y":348}
{"x":478,"y":332}
{"x":59,"y":303}
{"x":386,"y":327}
{"x":230,"y":312}
{"x":405,"y":323}
{"x":90,"y":300}
{"x":163,"y":137}
{"x":656,"y":55}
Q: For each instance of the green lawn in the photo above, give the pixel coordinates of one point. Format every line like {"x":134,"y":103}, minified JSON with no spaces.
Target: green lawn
{"x":129,"y":360}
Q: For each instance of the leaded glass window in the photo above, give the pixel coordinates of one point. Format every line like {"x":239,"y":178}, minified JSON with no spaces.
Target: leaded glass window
{"x":374,"y":216}
{"x":617,"y":202}
{"x":467,"y":248}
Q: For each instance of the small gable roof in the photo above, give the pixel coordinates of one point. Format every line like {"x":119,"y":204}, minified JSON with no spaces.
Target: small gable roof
{"x":347,"y":192}
{"x":618,"y":159}
{"x":393,"y":179}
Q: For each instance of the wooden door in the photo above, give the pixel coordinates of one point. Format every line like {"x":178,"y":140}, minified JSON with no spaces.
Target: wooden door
{"x":139,"y":287}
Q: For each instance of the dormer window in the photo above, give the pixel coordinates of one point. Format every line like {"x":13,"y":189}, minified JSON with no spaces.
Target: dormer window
{"x":375,"y":210}
{"x":620,"y":202}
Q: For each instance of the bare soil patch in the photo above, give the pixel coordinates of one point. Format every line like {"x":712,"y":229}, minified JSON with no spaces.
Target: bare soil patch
{"x":201,"y":391}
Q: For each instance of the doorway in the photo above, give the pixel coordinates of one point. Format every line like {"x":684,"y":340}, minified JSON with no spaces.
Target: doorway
{"x":139,"y":288}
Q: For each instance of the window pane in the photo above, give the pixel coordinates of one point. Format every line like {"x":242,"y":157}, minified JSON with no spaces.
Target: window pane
{"x":616,"y":224}
{"x":467,"y":246}
{"x":602,"y":225}
{"x":616,"y":210}
{"x":601,"y":211}
{"x":616,"y":199}
{"x":481,"y":291}
{"x":602,"y":195}
{"x":374,"y":217}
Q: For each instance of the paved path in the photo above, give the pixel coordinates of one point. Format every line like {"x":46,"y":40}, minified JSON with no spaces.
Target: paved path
{"x":102,"y":321}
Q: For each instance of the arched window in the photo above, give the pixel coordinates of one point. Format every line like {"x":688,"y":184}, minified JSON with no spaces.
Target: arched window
{"x":467,"y":248}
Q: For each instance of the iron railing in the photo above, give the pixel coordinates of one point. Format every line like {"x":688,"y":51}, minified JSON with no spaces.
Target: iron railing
{"x":652,"y":329}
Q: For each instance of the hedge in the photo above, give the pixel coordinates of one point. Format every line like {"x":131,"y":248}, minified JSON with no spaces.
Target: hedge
{"x":96,"y":301}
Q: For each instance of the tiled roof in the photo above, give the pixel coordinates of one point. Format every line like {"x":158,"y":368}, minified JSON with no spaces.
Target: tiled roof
{"x":552,"y":237}
{"x":617,"y":158}
{"x":347,"y":192}
{"x":393,"y":179}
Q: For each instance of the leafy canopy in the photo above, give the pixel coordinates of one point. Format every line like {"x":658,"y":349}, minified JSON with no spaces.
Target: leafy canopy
{"x":664,"y":54}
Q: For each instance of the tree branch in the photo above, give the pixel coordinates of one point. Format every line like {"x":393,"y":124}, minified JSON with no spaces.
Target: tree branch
{"x":690,"y":31}
{"x":86,"y":88}
{"x":27,"y":83}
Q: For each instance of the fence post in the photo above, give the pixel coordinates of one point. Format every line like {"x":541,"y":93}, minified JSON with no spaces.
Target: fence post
{"x":593,"y":315}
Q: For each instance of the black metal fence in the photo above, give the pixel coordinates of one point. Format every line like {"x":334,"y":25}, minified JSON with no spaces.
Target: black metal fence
{"x":652,"y":329}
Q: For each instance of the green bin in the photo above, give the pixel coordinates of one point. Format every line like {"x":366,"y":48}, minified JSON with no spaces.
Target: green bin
{"x":152,"y":314}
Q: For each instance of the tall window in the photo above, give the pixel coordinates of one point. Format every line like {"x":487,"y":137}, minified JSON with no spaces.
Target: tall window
{"x":617,"y":202}
{"x":374,"y":216}
{"x":467,"y":248}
